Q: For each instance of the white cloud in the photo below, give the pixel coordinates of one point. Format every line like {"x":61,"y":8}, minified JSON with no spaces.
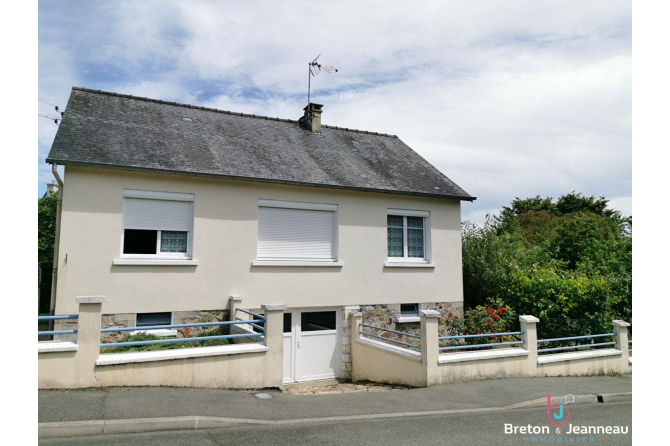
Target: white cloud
{"x":514,"y":98}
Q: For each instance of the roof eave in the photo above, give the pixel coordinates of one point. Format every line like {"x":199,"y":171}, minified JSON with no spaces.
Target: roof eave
{"x":259,"y":180}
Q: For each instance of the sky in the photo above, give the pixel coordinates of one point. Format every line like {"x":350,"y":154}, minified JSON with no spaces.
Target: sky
{"x":506,"y":98}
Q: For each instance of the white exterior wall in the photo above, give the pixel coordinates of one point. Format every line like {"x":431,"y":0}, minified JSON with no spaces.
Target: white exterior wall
{"x":225,"y":241}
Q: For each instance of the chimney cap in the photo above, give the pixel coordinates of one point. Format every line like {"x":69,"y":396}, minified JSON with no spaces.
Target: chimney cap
{"x":313,"y":106}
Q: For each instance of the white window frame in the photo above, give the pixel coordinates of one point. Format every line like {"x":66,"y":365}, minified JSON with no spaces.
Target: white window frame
{"x":160,"y":258}
{"x":409,"y":318}
{"x":405,"y":260}
{"x":334,"y":262}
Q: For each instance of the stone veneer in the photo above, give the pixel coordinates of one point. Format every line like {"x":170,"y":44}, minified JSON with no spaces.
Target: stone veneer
{"x":122,"y":320}
{"x":386,"y":316}
{"x":346,"y":340}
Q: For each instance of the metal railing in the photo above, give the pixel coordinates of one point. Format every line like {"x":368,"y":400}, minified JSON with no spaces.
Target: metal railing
{"x":56,"y":318}
{"x":191,"y":339}
{"x":576,"y":346}
{"x":488,"y":335}
{"x":630,"y":342}
{"x":251,"y":322}
{"x":370,"y":335}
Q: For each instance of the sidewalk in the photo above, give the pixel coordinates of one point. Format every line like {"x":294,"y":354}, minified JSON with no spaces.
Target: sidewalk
{"x":65,"y":413}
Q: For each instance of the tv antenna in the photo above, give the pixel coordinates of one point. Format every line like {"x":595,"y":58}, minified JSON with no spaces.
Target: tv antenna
{"x":314,"y":69}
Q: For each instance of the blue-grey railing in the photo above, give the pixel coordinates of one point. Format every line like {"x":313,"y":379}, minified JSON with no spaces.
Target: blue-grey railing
{"x":250,"y":322}
{"x":56,"y":318}
{"x":630,"y":342}
{"x":487,"y":335}
{"x":370,"y":335}
{"x":172,"y":341}
{"x":576,"y":346}
{"x":259,"y":316}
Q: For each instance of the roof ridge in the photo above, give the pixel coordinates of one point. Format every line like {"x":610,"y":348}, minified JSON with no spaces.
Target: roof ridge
{"x":227,"y":112}
{"x":357,"y":131}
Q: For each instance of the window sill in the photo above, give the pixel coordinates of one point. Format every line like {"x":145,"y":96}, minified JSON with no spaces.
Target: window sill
{"x":165,"y":333}
{"x":409,"y":265}
{"x":294,"y":263}
{"x":407,"y":319}
{"x":156,"y":262}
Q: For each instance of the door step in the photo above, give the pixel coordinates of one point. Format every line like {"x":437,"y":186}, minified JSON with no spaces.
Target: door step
{"x":309,"y":384}
{"x":334,"y":386}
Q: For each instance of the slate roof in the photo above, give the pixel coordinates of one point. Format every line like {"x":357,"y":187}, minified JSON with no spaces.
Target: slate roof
{"x":111,"y":130}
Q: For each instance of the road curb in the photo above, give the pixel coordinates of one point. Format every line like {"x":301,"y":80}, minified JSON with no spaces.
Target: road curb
{"x":140,"y":425}
{"x":615,"y":397}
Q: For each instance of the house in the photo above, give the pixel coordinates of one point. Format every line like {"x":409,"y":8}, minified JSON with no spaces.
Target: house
{"x":169,"y":209}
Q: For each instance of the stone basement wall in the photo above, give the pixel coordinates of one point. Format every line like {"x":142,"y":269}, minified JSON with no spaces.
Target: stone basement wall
{"x":123,"y":320}
{"x":386,"y":316}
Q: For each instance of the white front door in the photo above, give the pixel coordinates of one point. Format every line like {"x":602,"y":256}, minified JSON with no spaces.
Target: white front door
{"x":311,"y":344}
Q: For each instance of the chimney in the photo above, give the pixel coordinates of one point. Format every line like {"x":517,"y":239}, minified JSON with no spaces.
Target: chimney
{"x":312,"y":117}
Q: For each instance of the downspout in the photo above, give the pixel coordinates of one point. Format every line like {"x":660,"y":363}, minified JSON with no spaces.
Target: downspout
{"x":54,"y":273}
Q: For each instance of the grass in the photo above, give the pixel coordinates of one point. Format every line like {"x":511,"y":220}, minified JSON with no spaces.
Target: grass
{"x":167,"y":346}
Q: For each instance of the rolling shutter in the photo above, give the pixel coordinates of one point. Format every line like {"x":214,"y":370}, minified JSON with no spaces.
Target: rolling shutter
{"x":166,"y":215}
{"x":295,"y":234}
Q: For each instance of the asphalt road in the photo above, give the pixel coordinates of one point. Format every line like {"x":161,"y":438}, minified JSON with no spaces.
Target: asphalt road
{"x":483,"y":428}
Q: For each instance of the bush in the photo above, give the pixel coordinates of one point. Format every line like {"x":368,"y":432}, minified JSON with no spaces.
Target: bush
{"x":562,"y":262}
{"x":493,"y":317}
{"x":167,"y":346}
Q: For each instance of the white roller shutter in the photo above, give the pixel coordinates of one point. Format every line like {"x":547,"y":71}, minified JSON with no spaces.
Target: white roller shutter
{"x":166,"y":215}
{"x":295,"y":234}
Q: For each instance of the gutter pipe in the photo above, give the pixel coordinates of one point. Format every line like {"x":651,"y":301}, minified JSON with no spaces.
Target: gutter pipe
{"x":54,"y":273}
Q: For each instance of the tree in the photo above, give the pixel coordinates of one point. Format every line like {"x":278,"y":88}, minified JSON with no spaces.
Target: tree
{"x":46,"y":234}
{"x":563,"y":260}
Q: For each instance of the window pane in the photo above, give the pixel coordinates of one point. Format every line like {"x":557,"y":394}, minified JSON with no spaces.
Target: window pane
{"x":409,"y":309}
{"x":146,"y":319}
{"x":415,"y":222}
{"x":415,"y":237}
{"x":395,"y":228}
{"x":394,"y":221}
{"x":288,"y":326}
{"x":404,"y":308}
{"x":174,"y":241}
{"x":318,"y":320}
{"x":139,"y":241}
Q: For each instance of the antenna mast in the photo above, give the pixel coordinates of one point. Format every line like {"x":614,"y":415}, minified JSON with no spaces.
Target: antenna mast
{"x":314,"y":69}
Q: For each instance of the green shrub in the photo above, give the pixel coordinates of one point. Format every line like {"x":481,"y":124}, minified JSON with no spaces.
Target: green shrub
{"x":167,"y":346}
{"x":493,"y":317}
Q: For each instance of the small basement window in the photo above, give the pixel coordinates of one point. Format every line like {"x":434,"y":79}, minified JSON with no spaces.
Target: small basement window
{"x":409,"y":313}
{"x":409,"y":310}
{"x":147,"y":319}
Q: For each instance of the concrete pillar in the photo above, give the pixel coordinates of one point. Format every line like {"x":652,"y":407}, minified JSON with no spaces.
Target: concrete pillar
{"x":345,"y":340}
{"x":355,"y":320}
{"x":621,"y":339}
{"x":235,"y":302}
{"x":274,"y":341}
{"x":430,"y":346}
{"x":88,"y":339}
{"x":529,"y":337}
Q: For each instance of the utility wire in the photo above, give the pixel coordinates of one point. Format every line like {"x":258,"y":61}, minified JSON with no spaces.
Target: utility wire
{"x":48,"y":103}
{"x":55,"y":120}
